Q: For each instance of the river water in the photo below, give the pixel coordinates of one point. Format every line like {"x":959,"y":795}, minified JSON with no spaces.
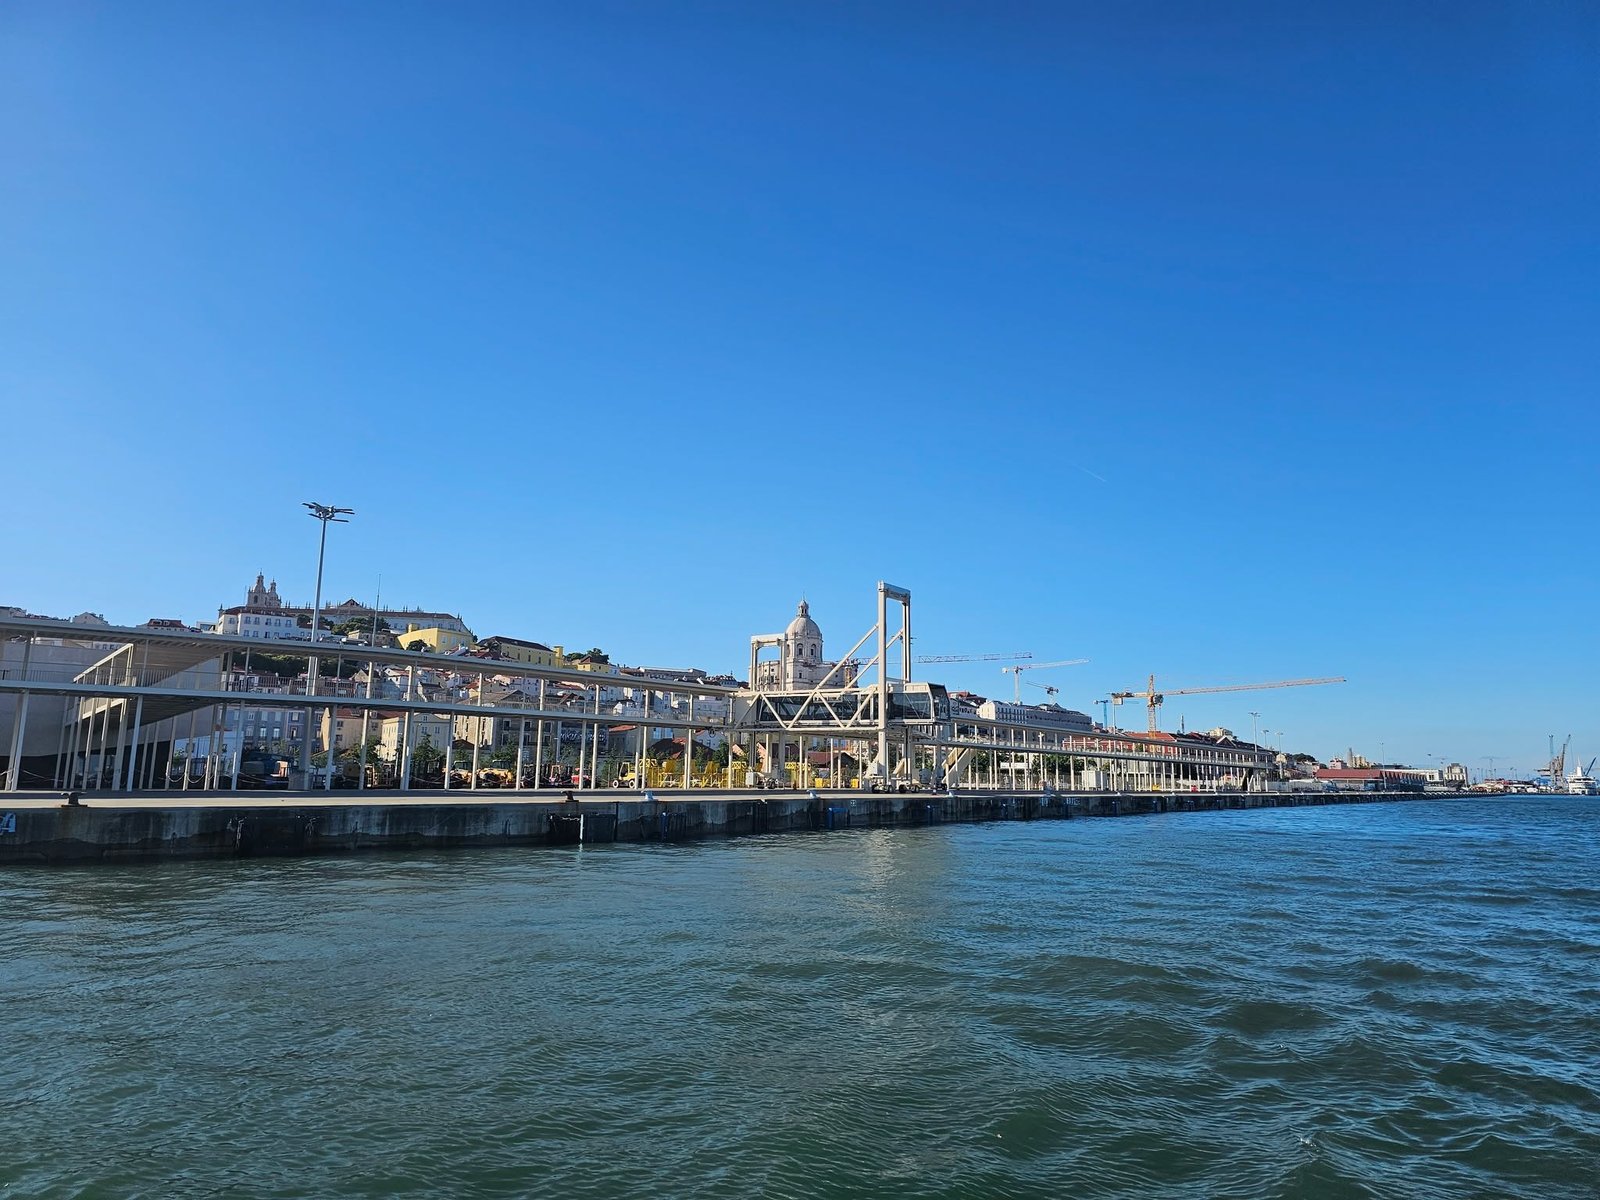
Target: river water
{"x":1370,"y":1001}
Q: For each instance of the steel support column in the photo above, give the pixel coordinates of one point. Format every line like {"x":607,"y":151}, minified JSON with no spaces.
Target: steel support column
{"x":19,"y":730}
{"x":403,"y":751}
{"x":477,"y":741}
{"x":130,"y":776}
{"x":594,"y":754}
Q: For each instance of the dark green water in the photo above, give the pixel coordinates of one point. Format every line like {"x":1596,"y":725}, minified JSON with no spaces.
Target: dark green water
{"x":1386,"y":1001}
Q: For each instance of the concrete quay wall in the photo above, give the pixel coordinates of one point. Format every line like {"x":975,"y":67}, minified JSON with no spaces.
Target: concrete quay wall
{"x":41,"y":829}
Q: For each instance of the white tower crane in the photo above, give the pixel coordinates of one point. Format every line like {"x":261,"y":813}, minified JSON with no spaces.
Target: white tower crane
{"x":949,"y":658}
{"x":1016,"y":670}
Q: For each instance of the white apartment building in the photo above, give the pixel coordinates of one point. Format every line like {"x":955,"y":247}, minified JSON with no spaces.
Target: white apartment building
{"x":1035,"y":714}
{"x":435,"y":727}
{"x":265,"y":615}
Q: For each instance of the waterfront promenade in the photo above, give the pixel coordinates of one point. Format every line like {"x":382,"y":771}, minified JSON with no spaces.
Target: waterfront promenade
{"x":47,"y":828}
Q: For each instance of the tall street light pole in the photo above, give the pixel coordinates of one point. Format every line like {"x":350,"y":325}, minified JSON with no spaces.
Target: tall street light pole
{"x":323,"y":513}
{"x":1255,"y":733}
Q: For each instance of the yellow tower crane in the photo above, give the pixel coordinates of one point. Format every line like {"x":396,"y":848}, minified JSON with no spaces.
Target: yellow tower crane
{"x":1153,"y":698}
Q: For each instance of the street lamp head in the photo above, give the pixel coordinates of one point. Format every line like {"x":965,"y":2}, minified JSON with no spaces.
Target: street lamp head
{"x":327,"y":512}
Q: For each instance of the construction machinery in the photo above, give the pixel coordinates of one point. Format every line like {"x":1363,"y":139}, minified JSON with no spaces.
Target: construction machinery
{"x":1557,"y":770}
{"x":1048,"y":689}
{"x":950,"y":658}
{"x":1016,"y":669}
{"x":1153,"y":698}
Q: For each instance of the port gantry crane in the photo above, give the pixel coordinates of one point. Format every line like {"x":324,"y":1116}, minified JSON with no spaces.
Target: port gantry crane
{"x":1016,"y":670}
{"x":1153,"y":698}
{"x":1557,"y":770}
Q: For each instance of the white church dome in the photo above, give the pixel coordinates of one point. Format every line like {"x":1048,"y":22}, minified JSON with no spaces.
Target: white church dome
{"x":803,"y":626}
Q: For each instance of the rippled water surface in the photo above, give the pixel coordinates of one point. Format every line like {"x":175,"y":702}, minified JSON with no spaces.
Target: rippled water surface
{"x":1378,"y":1000}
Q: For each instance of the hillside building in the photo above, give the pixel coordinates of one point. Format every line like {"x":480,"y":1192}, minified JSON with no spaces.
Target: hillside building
{"x":264,"y":614}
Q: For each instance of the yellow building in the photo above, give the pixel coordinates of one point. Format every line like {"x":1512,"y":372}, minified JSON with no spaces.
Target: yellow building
{"x":510,"y":649}
{"x":435,"y":639}
{"x":342,"y":727}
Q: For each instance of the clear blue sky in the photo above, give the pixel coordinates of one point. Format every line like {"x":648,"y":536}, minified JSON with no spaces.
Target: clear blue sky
{"x":1228,"y":342}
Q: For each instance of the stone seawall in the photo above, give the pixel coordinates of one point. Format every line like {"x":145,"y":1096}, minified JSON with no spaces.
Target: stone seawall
{"x":41,"y":829}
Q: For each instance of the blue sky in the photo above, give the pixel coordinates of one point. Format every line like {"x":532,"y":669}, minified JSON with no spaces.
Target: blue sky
{"x":1231,"y":343}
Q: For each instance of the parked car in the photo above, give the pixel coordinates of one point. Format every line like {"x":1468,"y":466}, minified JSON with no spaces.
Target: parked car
{"x":876,"y":784}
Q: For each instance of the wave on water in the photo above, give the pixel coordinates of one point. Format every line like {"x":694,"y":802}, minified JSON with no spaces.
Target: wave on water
{"x":1370,"y":1001}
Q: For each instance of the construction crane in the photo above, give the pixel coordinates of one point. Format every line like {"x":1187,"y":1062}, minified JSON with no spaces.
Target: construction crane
{"x":1046,"y":688}
{"x":1557,"y":770}
{"x":1153,"y":698}
{"x":1016,"y":670}
{"x":947,"y":658}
